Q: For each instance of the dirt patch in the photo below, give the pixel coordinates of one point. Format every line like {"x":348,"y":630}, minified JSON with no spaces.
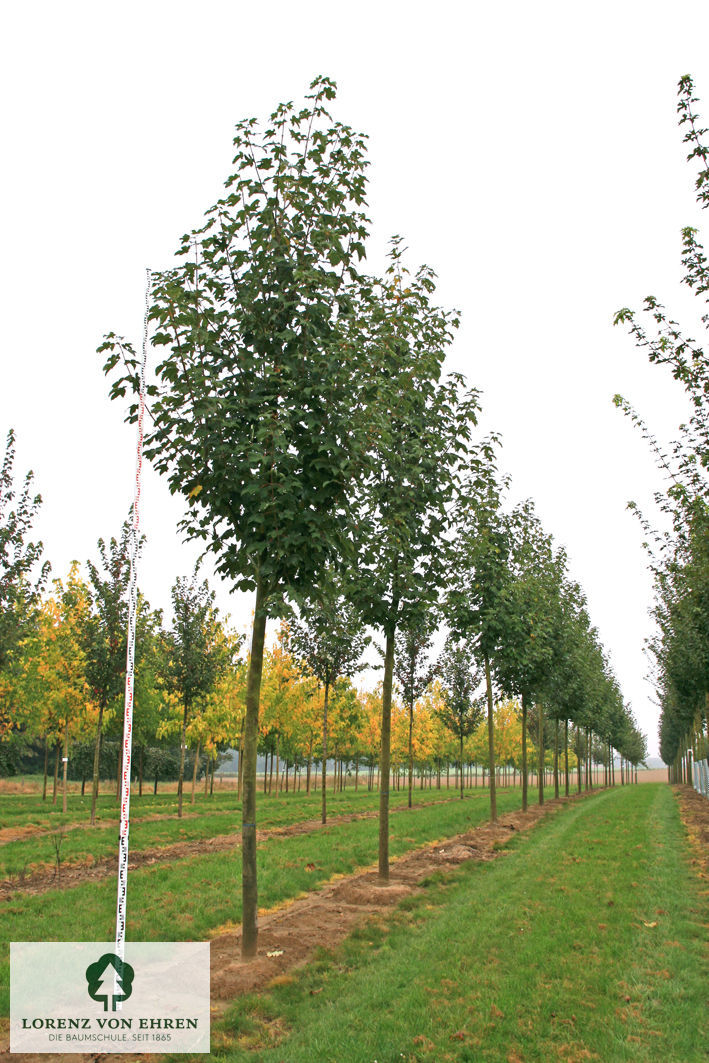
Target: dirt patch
{"x":292,"y":934}
{"x":694,"y":811}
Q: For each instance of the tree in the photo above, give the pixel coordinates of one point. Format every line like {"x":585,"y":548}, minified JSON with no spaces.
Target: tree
{"x":481,"y":561}
{"x":261,"y":403}
{"x":404,"y":507}
{"x":529,"y":610}
{"x":105,"y":637}
{"x":681,"y":648}
{"x":461,"y":711}
{"x":23,"y":575}
{"x":413,"y":673}
{"x":329,"y":642}
{"x":53,"y":684}
{"x":197,"y":656}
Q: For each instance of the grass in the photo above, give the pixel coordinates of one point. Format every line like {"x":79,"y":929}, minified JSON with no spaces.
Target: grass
{"x":188,"y":899}
{"x":206,"y":819}
{"x":587,"y":942}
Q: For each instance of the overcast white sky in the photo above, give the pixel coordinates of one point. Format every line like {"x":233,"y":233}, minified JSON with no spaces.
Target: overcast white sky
{"x":528,"y":152}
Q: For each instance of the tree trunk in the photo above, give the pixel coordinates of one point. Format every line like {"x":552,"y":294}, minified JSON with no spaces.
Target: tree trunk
{"x":524,"y":753}
{"x":490,"y":739}
{"x":181,"y":776}
{"x":210,"y":762}
{"x":46,"y":765}
{"x":566,"y":754}
{"x":194,"y":771}
{"x":556,"y":758}
{"x":249,"y":883}
{"x":540,"y":772}
{"x":140,"y":771}
{"x":310,"y":762}
{"x":240,"y":765}
{"x":385,"y":758}
{"x":119,"y":766}
{"x":356,"y":772}
{"x":65,"y":765}
{"x":323,"y":813}
{"x":56,"y":772}
{"x":97,"y":753}
{"x":411,"y":749}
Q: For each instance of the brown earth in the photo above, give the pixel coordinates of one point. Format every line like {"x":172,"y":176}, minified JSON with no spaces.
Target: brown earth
{"x":694,"y":810}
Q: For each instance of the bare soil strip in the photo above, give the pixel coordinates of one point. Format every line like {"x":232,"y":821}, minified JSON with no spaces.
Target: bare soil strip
{"x":694,"y":812}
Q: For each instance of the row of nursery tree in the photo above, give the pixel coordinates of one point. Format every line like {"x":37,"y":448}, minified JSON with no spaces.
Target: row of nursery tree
{"x":331,"y":466}
{"x":678,"y":542}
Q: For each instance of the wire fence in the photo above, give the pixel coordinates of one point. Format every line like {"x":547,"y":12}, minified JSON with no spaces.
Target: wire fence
{"x":701,"y":777}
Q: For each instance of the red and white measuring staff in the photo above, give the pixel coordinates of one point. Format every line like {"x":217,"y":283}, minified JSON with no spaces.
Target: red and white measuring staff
{"x":130,"y":665}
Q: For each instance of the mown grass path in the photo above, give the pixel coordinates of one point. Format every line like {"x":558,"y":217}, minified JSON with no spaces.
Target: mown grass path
{"x":588,"y":942}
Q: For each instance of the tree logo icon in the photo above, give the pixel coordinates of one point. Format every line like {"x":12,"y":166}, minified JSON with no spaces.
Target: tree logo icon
{"x":107,"y":975}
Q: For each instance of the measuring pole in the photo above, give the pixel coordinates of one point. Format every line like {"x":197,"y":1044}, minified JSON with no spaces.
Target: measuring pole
{"x":130,"y":669}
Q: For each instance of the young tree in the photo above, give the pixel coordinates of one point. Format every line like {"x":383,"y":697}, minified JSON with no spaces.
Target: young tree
{"x":404,"y":508}
{"x":105,"y":637}
{"x":481,"y":550}
{"x":328,"y":640}
{"x":197,"y":655}
{"x":680,"y":648}
{"x":461,"y":711}
{"x":53,"y":683}
{"x":23,"y":575}
{"x":530,"y":617}
{"x":413,"y":673}
{"x":262,"y":404}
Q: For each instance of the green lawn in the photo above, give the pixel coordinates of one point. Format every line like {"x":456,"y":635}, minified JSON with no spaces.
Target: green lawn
{"x":187,"y":899}
{"x":587,"y":942}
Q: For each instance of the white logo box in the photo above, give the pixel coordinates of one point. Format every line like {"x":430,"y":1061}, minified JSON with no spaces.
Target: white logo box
{"x":158,"y":1002}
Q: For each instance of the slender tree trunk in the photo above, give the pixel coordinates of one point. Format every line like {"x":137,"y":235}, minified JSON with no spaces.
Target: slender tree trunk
{"x":97,"y":753}
{"x":566,"y":754}
{"x":119,"y":767}
{"x":524,"y":753}
{"x":385,"y":758}
{"x":556,"y":758}
{"x":490,"y":739}
{"x":240,"y":765}
{"x":249,"y":882}
{"x":194,"y":771}
{"x":540,"y":772}
{"x":278,"y":761}
{"x":356,"y":771}
{"x":462,"y":777}
{"x":323,"y":813}
{"x":181,"y":776}
{"x":56,"y":772}
{"x":140,"y":771}
{"x":46,"y":766}
{"x":155,"y":785}
{"x":211,"y":783}
{"x":207,"y":771}
{"x":65,"y":765}
{"x":310,"y":762}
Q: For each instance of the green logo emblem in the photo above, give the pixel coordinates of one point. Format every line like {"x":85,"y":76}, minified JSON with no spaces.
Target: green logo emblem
{"x":110,"y":979}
